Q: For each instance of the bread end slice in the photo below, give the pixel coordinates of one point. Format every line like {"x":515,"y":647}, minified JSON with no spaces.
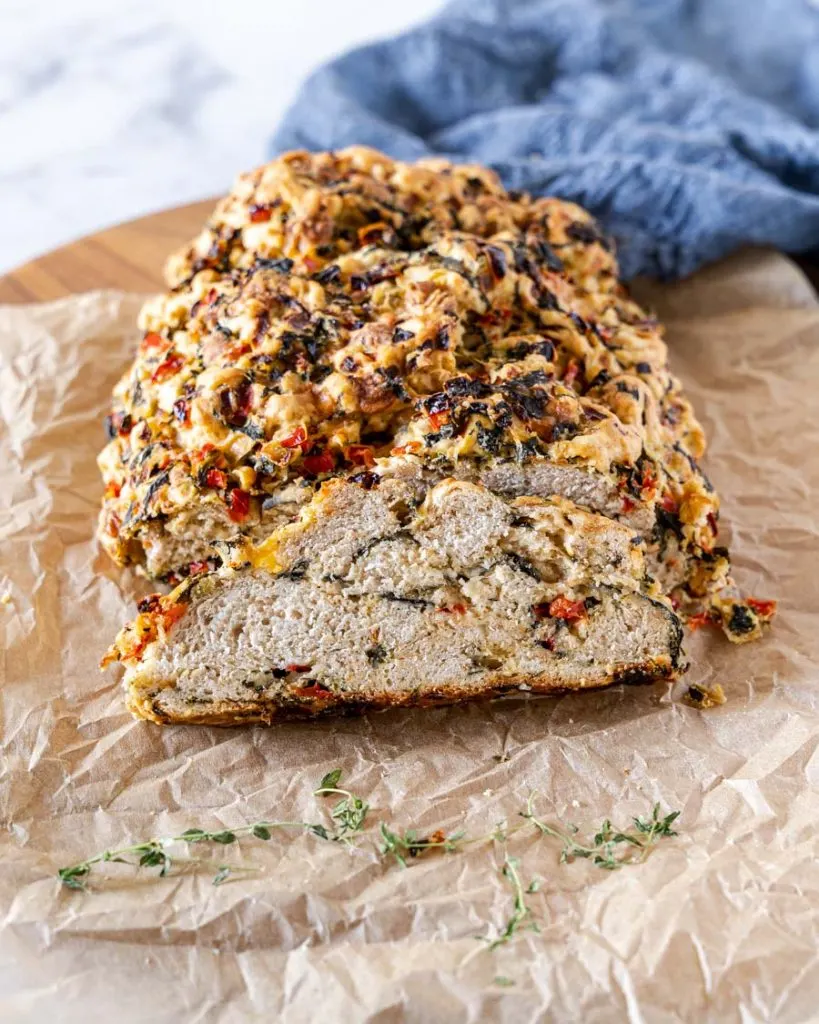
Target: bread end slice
{"x":371,"y":600}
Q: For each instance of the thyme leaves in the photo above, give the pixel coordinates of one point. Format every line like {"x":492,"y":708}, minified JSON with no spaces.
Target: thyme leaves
{"x":609,"y":848}
{"x":347,"y":817}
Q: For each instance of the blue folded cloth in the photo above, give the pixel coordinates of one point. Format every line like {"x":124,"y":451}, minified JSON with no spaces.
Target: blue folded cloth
{"x":689,"y":127}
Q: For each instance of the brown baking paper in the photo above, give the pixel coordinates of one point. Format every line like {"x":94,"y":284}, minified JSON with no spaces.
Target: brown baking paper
{"x":720,"y":924}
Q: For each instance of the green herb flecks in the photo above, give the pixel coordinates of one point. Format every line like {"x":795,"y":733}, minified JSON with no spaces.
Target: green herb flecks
{"x":348,"y":817}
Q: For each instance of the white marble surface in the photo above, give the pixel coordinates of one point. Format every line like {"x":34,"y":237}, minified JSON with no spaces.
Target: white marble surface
{"x":110,"y":109}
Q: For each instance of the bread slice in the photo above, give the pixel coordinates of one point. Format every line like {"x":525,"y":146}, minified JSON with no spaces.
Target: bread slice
{"x":372,"y":599}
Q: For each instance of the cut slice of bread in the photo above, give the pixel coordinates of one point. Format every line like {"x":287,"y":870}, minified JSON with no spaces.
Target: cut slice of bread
{"x":375,"y":598}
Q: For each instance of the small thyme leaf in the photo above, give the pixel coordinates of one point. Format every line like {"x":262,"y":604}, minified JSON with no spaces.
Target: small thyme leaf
{"x":225,"y":838}
{"x":221,"y":875}
{"x":193,"y":835}
{"x":260,"y":832}
{"x":504,"y":982}
{"x":330,"y":780}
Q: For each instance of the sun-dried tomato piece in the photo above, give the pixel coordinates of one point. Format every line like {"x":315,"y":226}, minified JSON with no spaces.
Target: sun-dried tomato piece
{"x":701,"y":619}
{"x":294,"y":667}
{"x":202,"y":453}
{"x":408,"y":448}
{"x":438,"y":419}
{"x":153,"y":340}
{"x":669,"y":503}
{"x":315,"y":692}
{"x":764,"y":609}
{"x":453,"y":609}
{"x":298,"y":439}
{"x":195,"y":568}
{"x":360,"y":455}
{"x":560,"y":608}
{"x":216,"y":479}
{"x":238,"y":505}
{"x":711,"y":519}
{"x":258,"y":214}
{"x":173,"y":614}
{"x":167,"y":368}
{"x":629,"y":505}
{"x":318,"y":463}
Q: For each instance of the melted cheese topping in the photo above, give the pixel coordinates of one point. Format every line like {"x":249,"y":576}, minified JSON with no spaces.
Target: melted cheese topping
{"x":340,"y":309}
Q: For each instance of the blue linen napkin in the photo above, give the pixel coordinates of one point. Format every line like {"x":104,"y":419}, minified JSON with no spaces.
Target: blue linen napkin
{"x":689,"y":127}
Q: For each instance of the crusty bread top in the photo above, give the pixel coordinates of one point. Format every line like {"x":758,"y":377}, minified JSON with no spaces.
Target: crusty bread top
{"x":341,"y":310}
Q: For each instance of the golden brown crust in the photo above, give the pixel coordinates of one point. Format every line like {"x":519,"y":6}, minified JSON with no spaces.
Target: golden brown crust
{"x":226,"y":713}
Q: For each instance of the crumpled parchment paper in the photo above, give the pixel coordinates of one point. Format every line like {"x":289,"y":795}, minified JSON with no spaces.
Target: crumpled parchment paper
{"x":721,"y":924}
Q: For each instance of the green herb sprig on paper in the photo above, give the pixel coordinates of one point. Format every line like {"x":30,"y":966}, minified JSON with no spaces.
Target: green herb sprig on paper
{"x":610,"y":848}
{"x":348,"y":817}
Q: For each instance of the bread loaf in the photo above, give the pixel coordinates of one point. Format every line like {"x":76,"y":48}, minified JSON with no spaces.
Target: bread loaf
{"x":354,"y":344}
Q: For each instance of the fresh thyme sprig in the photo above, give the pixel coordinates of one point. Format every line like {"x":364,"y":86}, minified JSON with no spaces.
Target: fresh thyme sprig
{"x":349,"y":813}
{"x":522,"y":916}
{"x":610,"y":848}
{"x":348,"y":816}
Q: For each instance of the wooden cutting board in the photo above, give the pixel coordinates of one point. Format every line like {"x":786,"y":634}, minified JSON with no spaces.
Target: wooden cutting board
{"x":129,"y":256}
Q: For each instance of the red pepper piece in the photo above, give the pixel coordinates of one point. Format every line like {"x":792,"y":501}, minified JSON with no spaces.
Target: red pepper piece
{"x":320,"y":462}
{"x":316,"y":692}
{"x":168,"y":616}
{"x":699,"y":620}
{"x":360,"y":455}
{"x":258,"y":214}
{"x":454,"y":609}
{"x":216,"y":479}
{"x":438,"y":419}
{"x":764,"y":609}
{"x":152,"y":340}
{"x":409,"y":447}
{"x":195,"y":568}
{"x":296,"y":440}
{"x":238,"y":505}
{"x":297,"y":668}
{"x":167,"y":368}
{"x":669,"y":503}
{"x":561,"y":608}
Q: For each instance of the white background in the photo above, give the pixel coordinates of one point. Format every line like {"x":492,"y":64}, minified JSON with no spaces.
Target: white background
{"x":110,"y":109}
